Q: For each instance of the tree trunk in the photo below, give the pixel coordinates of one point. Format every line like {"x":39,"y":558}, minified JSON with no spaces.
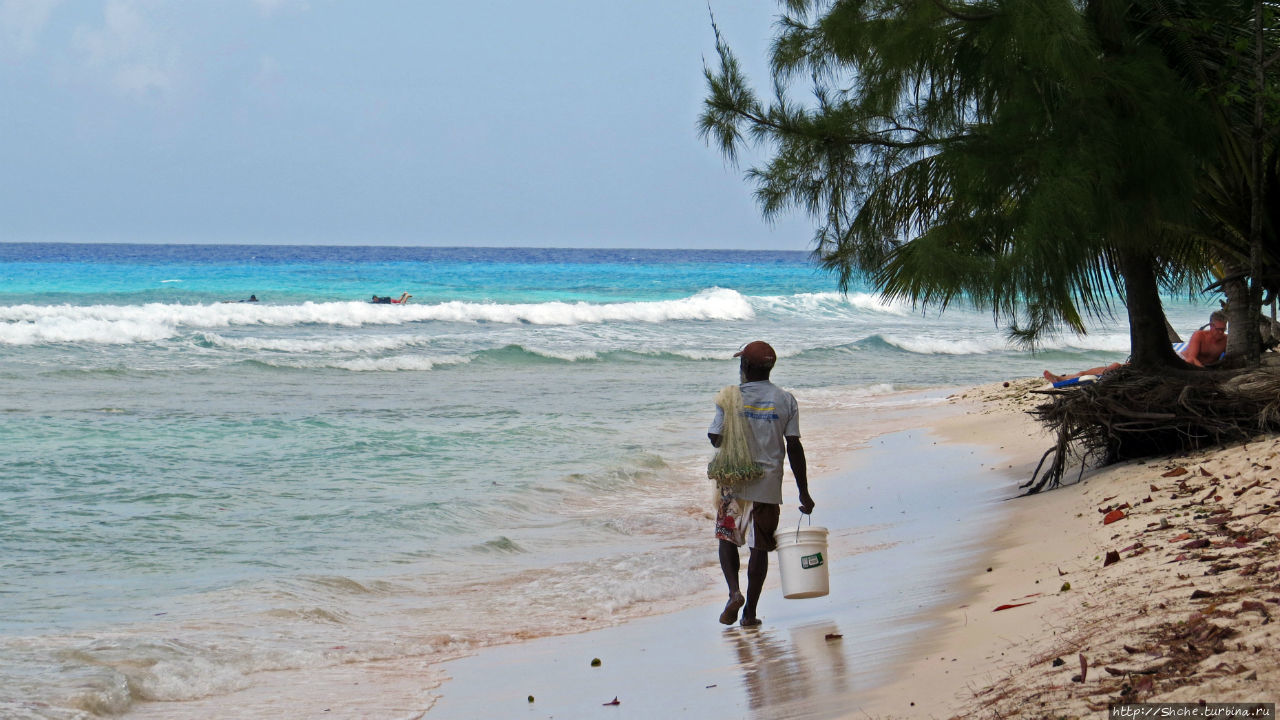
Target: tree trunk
{"x":1253,"y":337}
{"x":1239,"y":317}
{"x":1148,"y":340}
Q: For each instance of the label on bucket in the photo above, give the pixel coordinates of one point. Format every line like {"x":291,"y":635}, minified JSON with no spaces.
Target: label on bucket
{"x":808,"y":562}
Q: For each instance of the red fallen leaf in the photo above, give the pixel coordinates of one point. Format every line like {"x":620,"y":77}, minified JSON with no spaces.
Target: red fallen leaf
{"x":615,"y":701}
{"x":1134,"y":546}
{"x":1084,"y":668}
{"x":1205,"y":473}
{"x":1180,"y":538}
{"x":1112,"y":558}
{"x":1196,"y":544}
{"x":1255,"y":605}
{"x":1006,"y":607}
{"x":1176,"y":472}
{"x":1247,"y":488}
{"x":1113,"y":497}
{"x":1180,"y":558}
{"x":1154,"y":488}
{"x":1125,"y":506}
{"x":1146,"y":499}
{"x":1113,"y":516}
{"x":1060,"y":573}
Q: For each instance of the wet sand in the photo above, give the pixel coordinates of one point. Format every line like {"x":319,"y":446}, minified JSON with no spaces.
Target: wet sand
{"x":911,"y":520}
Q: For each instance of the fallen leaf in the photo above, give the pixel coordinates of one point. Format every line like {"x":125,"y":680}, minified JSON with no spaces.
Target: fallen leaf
{"x":1014,"y":605}
{"x":1113,"y":516}
{"x":1196,"y":544}
{"x":1112,"y":558}
{"x":615,"y":701}
{"x":1254,"y":605}
{"x":1084,"y":668}
{"x":834,"y":636}
{"x":1175,"y":472}
{"x":1247,"y":488}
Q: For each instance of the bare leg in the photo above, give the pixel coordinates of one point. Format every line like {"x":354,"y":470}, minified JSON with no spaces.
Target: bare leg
{"x":1091,"y":371}
{"x":730,"y":564}
{"x":757,"y":570}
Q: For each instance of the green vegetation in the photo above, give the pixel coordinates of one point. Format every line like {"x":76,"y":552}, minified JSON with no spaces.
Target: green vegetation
{"x":1032,"y":157}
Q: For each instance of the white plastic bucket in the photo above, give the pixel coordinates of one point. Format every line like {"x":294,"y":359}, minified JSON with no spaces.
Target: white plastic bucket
{"x":802,"y":558}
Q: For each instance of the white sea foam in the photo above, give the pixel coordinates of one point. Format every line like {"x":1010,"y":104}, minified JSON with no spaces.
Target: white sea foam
{"x":382,"y":343}
{"x":33,"y":324}
{"x":993,"y":343}
{"x":833,"y":304}
{"x":72,"y":329}
{"x":924,"y":345}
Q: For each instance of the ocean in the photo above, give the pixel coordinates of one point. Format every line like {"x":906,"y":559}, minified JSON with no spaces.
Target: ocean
{"x":198,"y":490}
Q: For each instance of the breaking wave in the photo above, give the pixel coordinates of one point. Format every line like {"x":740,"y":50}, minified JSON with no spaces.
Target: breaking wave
{"x":123,"y":324}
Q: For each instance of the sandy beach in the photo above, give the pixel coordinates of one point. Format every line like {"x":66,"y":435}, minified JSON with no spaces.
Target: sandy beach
{"x":951,"y":596}
{"x":1020,"y":614}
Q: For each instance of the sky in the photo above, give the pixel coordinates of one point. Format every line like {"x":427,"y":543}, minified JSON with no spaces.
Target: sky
{"x":557,"y":123}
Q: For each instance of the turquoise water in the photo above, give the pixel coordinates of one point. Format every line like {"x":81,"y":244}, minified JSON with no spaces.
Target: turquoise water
{"x":265,"y":479}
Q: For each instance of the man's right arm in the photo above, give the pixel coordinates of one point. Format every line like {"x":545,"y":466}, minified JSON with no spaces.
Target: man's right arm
{"x":1192,"y":352}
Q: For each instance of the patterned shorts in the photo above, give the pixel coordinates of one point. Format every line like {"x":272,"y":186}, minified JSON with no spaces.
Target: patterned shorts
{"x":735,"y":518}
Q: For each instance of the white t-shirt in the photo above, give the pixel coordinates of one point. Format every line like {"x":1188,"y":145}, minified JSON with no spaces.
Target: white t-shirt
{"x":772,"y":415}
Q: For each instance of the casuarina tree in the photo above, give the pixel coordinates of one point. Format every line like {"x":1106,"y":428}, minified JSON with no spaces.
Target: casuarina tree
{"x":1034,"y":157}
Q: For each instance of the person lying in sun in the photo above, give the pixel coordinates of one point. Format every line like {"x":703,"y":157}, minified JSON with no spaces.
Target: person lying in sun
{"x":1207,"y":345}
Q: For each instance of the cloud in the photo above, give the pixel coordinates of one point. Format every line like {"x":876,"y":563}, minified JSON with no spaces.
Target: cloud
{"x":127,"y":52}
{"x":21,"y":22}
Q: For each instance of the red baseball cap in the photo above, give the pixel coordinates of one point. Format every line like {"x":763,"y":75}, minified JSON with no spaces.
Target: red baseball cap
{"x":758,"y":354}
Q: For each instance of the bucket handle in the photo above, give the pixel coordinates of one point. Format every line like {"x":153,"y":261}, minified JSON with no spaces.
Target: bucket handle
{"x":802,"y":517}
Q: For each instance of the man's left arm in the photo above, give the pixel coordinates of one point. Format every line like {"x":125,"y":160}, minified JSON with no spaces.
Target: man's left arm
{"x":799,"y":468}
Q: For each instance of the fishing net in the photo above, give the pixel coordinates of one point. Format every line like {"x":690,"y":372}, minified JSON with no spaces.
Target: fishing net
{"x":733,"y":467}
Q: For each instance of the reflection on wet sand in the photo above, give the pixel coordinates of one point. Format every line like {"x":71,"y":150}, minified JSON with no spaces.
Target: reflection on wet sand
{"x":795,"y":676}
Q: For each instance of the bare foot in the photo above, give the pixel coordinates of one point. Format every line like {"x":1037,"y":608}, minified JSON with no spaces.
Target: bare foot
{"x":1051,"y":377}
{"x":730,"y":614}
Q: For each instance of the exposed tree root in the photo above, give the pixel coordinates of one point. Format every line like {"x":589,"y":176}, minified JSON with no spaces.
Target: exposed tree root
{"x":1131,"y":414}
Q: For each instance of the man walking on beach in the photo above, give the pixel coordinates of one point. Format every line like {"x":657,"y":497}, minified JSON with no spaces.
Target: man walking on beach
{"x":773,"y":432}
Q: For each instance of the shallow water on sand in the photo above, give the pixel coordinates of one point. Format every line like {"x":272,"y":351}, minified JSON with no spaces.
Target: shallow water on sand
{"x":200,"y":491}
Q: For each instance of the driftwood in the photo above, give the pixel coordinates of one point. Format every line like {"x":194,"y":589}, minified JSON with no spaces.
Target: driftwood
{"x":1130,"y":414}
